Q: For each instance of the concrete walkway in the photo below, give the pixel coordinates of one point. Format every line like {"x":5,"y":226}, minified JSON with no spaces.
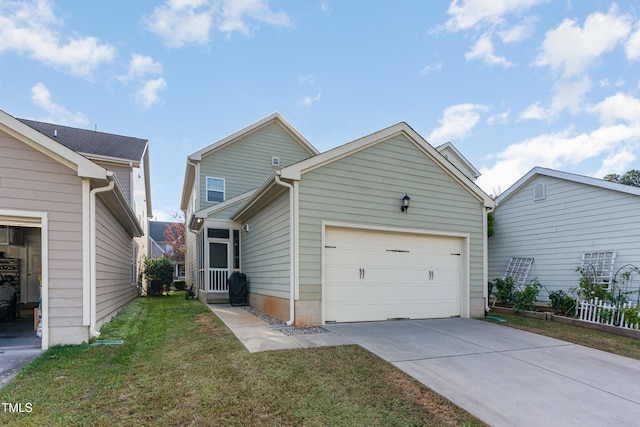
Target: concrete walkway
{"x":503,"y":376}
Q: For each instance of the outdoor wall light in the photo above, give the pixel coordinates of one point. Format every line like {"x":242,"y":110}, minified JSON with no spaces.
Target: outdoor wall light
{"x":405,"y":203}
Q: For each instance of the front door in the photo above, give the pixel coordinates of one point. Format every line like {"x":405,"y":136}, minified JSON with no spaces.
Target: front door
{"x":218,"y":266}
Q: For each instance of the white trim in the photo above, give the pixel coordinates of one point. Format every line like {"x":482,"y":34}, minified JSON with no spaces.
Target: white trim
{"x":206,"y":191}
{"x":204,"y":213}
{"x":86,"y":252}
{"x":296,"y":238}
{"x":465,"y":288}
{"x":581,"y":179}
{"x":44,"y":259}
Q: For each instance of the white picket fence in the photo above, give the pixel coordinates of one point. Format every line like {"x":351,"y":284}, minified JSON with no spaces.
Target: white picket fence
{"x":596,"y":311}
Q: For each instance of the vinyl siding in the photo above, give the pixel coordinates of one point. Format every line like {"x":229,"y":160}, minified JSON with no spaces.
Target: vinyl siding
{"x":367,"y":187}
{"x":114,"y":250}
{"x":123,"y":173}
{"x":246,"y":163}
{"x":573,"y":218}
{"x":266,"y":249}
{"x":31,"y":181}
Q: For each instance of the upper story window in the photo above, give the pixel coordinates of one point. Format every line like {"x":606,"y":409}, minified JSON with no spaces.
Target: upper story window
{"x":539,"y":192}
{"x":215,"y":189}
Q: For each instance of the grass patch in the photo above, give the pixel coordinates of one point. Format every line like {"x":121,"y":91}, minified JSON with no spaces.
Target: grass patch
{"x":180,"y":365}
{"x":623,"y":346}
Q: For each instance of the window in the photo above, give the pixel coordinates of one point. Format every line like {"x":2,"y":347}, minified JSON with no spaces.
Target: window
{"x":539,"y":192}
{"x":215,"y":190}
{"x":217,"y":233}
{"x":275,"y":161}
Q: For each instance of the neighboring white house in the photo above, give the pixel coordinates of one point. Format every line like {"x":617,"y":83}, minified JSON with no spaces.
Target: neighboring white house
{"x":76,"y":203}
{"x":327,"y":238}
{"x":559,"y":219}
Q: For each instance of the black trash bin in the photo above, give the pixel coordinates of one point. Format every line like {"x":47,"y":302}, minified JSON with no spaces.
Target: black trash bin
{"x":237,"y":283}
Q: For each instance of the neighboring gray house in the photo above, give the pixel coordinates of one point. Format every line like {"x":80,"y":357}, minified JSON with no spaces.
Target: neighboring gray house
{"x":326,"y":239}
{"x":78,"y":202}
{"x":560,"y":219}
{"x":159,"y":246}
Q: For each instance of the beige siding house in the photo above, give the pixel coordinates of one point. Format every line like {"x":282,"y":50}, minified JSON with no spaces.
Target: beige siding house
{"x":80,"y":200}
{"x":558,"y":218}
{"x":328,"y":238}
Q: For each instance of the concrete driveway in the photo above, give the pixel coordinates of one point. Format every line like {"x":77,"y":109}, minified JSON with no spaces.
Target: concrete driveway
{"x":504,"y":376}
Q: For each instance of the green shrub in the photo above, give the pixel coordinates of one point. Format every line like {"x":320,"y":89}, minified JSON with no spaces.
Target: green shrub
{"x":561,"y":303}
{"x":525,"y":300}
{"x":159,"y":273}
{"x":503,"y":290}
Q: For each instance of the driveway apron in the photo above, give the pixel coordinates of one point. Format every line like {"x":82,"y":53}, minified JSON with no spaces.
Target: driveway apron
{"x":505,"y":376}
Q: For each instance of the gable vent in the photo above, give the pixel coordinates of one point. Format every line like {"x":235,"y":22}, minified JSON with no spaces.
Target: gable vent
{"x":539,"y":192}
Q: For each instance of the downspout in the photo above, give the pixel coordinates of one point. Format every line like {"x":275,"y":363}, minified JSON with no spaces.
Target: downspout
{"x":92,"y":253}
{"x":292,"y":283}
{"x":485,"y":250}
{"x":196,"y":190}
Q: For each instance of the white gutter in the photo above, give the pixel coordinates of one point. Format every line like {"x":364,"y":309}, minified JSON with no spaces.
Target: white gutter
{"x":292,"y":257}
{"x":92,"y":254}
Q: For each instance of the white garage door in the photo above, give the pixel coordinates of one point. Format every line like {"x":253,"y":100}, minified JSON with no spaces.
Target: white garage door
{"x":375,"y":275}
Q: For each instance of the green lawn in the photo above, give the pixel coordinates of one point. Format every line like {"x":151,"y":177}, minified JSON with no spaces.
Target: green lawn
{"x":623,"y":346}
{"x":180,"y":365}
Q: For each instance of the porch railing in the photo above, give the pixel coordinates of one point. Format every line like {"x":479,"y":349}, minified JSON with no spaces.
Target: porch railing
{"x":218,"y":279}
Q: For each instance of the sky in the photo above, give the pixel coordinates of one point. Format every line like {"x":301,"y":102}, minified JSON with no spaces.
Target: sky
{"x":513,"y":84}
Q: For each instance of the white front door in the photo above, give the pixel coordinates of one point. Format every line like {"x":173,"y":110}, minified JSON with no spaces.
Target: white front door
{"x":376,"y":275}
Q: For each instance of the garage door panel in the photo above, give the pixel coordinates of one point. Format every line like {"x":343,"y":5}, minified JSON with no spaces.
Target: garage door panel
{"x":373,"y":275}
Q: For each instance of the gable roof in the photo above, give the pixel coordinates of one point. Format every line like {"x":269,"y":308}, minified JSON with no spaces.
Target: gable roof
{"x":53,"y":149}
{"x":587,"y":180}
{"x":448,"y":146}
{"x":189,"y":176}
{"x":274,"y":117}
{"x":295,"y":171}
{"x":84,"y":168}
{"x":90,"y":142}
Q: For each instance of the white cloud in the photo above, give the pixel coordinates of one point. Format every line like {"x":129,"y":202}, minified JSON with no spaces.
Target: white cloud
{"x":140,"y":66}
{"x":569,"y":95}
{"x":456,"y":123}
{"x":483,"y":50}
{"x":617,"y":162}
{"x":41,"y":96}
{"x":606,"y":83}
{"x":466,"y":14}
{"x":535,"y":112}
{"x":307,"y":101}
{"x":570,"y":50}
{"x":431,"y":67}
{"x":181,"y":22}
{"x":147,"y":96}
{"x":33,"y":30}
{"x":632,"y":48}
{"x":617,"y":108}
{"x":235,"y":12}
{"x":501,"y":118}
{"x":516,"y":33}
{"x":557,"y":151}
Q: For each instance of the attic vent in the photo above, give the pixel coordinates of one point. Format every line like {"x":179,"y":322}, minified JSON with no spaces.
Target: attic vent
{"x":539,"y":192}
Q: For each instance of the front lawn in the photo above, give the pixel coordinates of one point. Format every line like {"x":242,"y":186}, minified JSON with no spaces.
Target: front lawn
{"x":180,"y":365}
{"x":623,"y":346}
